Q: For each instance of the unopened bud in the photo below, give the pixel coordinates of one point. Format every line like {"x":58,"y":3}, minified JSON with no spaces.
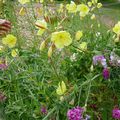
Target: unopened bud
{"x":42,"y":46}
{"x":50,"y":51}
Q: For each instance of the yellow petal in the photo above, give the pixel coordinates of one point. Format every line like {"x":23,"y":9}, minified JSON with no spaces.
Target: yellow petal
{"x":78,"y":35}
{"x":23,"y":1}
{"x":61,"y":88}
{"x":14,"y":52}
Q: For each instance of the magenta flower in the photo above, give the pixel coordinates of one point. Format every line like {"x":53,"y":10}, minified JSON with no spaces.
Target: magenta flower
{"x":116,"y":113}
{"x":75,"y":113}
{"x":43,"y":110}
{"x":3,"y":66}
{"x":106,"y":73}
{"x":100,"y":59}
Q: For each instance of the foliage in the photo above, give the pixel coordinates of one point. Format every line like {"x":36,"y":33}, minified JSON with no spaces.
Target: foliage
{"x":50,"y":69}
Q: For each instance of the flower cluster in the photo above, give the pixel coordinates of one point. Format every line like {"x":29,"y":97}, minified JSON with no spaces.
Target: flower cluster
{"x":116,"y":113}
{"x":102,"y":60}
{"x":75,"y":113}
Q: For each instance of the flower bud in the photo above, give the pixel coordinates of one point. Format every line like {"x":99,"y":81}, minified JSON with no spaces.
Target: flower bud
{"x":42,"y":46}
{"x":50,"y":51}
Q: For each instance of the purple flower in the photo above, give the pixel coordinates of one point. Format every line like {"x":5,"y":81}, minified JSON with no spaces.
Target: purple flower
{"x":100,"y":59}
{"x":75,"y":113}
{"x":43,"y":110}
{"x":116,"y":113}
{"x":3,"y":66}
{"x":106,"y":73}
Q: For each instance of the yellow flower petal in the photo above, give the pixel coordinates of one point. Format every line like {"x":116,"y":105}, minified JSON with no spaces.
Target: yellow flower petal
{"x":61,"y":39}
{"x":83,"y":46}
{"x":116,"y":28}
{"x":14,"y":52}
{"x":78,"y":35}
{"x":83,"y":9}
{"x":61,"y":88}
{"x":72,"y":7}
{"x":9,"y":40}
{"x":23,"y":1}
{"x":99,"y":5}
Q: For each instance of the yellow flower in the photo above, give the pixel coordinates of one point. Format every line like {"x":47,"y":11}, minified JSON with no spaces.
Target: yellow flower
{"x":93,"y":17}
{"x":78,"y":35}
{"x":89,"y":4}
{"x":61,"y":88}
{"x":61,"y":8}
{"x":61,"y":39}
{"x":14,"y":52}
{"x":99,"y":5}
{"x":116,"y":28}
{"x":94,"y":1}
{"x":23,"y":1}
{"x":9,"y":40}
{"x":41,"y":1}
{"x":42,"y":26}
{"x":83,"y":46}
{"x":22,"y":11}
{"x":84,"y":9}
{"x":50,"y":51}
{"x":42,"y":46}
{"x":72,"y":7}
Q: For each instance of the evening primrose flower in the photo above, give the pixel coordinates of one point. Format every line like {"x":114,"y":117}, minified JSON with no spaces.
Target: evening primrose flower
{"x":9,"y":40}
{"x":22,"y":11}
{"x":99,"y":5}
{"x":61,"y":8}
{"x":14,"y":52}
{"x":61,"y":88}
{"x":42,"y":26}
{"x":83,"y":46}
{"x":94,"y":1}
{"x":83,"y":9}
{"x":23,"y":1}
{"x":78,"y":35}
{"x":89,"y":4}
{"x":41,"y":1}
{"x":72,"y":7}
{"x":61,"y":39}
{"x":116,"y":28}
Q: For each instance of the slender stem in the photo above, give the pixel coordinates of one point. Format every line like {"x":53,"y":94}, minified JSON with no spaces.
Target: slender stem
{"x":54,"y":68}
{"x":46,"y":117}
{"x":89,"y":88}
{"x":79,"y":96}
